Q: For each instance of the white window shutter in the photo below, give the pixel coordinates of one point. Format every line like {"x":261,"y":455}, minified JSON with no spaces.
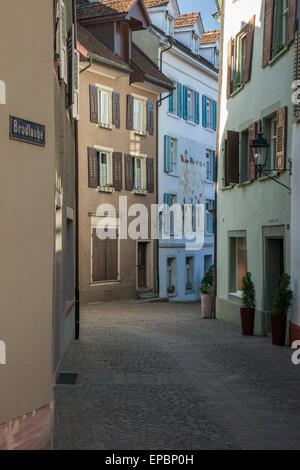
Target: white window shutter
{"x":75,"y":78}
{"x":62,"y":42}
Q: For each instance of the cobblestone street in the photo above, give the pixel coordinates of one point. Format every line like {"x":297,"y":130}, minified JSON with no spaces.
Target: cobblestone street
{"x":157,"y":376}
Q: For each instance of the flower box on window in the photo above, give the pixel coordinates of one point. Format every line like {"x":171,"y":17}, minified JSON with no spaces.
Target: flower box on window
{"x":189,"y":287}
{"x":171,"y":290}
{"x":107,"y":188}
{"x":141,"y":190}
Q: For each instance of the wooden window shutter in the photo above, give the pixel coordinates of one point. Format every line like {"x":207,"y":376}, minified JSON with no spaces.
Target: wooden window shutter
{"x":249,"y":50}
{"x":75,"y":107}
{"x":117,"y":171}
{"x":281,"y":138}
{"x":179,"y":97}
{"x":93,"y":104}
{"x":116,"y":109}
{"x":129,"y":119}
{"x":292,"y":20}
{"x":150,"y":174}
{"x":111,"y":259}
{"x":129,"y":172}
{"x":229,"y":66}
{"x":99,"y":250}
{"x":253,"y":131}
{"x":233,"y":156}
{"x":268,"y":30}
{"x":70,"y":50}
{"x":93,"y":168}
{"x":150,"y":117}
{"x":62,"y":41}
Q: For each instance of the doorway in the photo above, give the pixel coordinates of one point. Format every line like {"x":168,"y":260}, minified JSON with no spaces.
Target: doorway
{"x":142,"y":265}
{"x":274,"y":270}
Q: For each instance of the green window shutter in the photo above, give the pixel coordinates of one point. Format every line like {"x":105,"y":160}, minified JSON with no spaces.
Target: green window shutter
{"x":215,"y":115}
{"x":214,"y":166}
{"x":204,"y":115}
{"x":171,"y":104}
{"x":179,"y":97}
{"x":197,"y":106}
{"x":168,"y":157}
{"x":185,"y":103}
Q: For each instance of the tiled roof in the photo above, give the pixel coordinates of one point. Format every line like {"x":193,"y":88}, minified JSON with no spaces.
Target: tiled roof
{"x":189,"y":19}
{"x":104,"y":8}
{"x":155,"y":3}
{"x":96,"y":47}
{"x":210,"y":37}
{"x":148,"y":67}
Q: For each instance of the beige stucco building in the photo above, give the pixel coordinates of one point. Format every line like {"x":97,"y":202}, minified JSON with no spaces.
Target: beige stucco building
{"x":119,"y":89}
{"x":37,"y":143}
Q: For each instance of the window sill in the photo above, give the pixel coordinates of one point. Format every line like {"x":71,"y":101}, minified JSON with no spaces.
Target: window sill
{"x":102,"y":283}
{"x":105,"y":189}
{"x":278,"y":56}
{"x":228,"y":188}
{"x":171,"y":173}
{"x":267,"y":177}
{"x":209,"y":129}
{"x":110,"y":127}
{"x":236,"y":91}
{"x":141,"y":133}
{"x":189,"y":291}
{"x":235,"y":295}
{"x":209,"y":181}
{"x":244,"y":183}
{"x":171,"y":294}
{"x":174,"y":115}
{"x":192,"y":123}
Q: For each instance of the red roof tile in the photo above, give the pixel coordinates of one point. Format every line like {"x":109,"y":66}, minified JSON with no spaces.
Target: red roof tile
{"x":189,"y":19}
{"x":210,"y":37}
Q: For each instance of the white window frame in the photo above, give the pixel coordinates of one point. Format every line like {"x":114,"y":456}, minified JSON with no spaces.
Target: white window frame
{"x":191,"y":105}
{"x":143,"y":158}
{"x":209,"y":113}
{"x":209,"y":216}
{"x":174,"y":155}
{"x":140,"y":129}
{"x":195,"y":44}
{"x":109,"y":152}
{"x":76,"y":85}
{"x":175,"y":98}
{"x":170,"y":26}
{"x":101,"y":89}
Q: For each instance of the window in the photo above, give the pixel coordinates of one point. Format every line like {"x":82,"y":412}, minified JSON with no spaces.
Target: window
{"x":105,"y":107}
{"x":270,"y":133}
{"x":191,"y":105}
{"x":139,"y":173}
{"x":280,"y":26}
{"x":217,"y":59}
{"x":171,"y":275}
{"x":173,"y":104}
{"x":189,"y":266}
{"x":209,"y":113}
{"x":173,"y":155}
{"x":210,"y":165}
{"x":195,"y":44}
{"x":238,"y":263}
{"x":104,"y":176}
{"x":170,"y":26}
{"x":208,"y":261}
{"x":139,"y":115}
{"x":173,"y":200}
{"x":239,"y":58}
{"x":209,"y":216}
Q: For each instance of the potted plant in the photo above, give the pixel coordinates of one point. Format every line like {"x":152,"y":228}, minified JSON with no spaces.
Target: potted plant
{"x":206,"y":288}
{"x":189,"y":287}
{"x":171,"y":290}
{"x":282,"y":302}
{"x":249,"y":304}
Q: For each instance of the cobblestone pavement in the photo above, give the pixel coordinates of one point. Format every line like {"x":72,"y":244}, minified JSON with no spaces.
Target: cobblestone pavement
{"x":157,"y":376}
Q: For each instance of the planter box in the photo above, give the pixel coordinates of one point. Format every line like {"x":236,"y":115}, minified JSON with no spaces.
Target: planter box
{"x":105,"y":189}
{"x":143,"y":192}
{"x":247,"y":321}
{"x":278,"y":327}
{"x":207,"y":305}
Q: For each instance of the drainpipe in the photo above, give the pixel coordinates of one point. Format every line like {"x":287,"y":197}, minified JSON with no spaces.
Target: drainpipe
{"x":217,"y":153}
{"x":158,"y":104}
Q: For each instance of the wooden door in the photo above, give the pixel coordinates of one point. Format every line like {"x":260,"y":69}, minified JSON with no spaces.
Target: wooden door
{"x":142,"y":265}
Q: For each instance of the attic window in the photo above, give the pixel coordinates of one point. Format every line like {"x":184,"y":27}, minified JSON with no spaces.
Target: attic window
{"x":170,"y":26}
{"x":195,"y":44}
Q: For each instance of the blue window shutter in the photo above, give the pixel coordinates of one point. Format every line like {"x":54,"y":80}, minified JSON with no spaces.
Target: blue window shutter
{"x":185,"y":103}
{"x":214,"y":166}
{"x":204,"y":115}
{"x":171,"y":103}
{"x":167,"y":199}
{"x":168,"y":163}
{"x":197,"y":111}
{"x":215,"y":115}
{"x":179,"y":96}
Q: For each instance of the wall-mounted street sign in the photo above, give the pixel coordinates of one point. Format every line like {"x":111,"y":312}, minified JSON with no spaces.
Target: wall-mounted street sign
{"x":27,"y":131}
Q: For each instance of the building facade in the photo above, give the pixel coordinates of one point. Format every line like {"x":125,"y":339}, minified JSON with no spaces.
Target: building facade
{"x":119,"y":89}
{"x":186,"y":139}
{"x":253,"y":211}
{"x":27,"y":137}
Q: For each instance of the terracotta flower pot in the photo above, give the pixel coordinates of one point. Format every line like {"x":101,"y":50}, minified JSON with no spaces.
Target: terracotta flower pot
{"x":278,"y":327}
{"x":247,"y":320}
{"x":207,"y":305}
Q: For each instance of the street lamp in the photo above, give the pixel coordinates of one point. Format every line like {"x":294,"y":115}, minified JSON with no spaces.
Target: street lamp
{"x":259,"y":149}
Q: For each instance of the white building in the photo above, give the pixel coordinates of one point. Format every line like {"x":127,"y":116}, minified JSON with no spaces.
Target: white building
{"x":187,"y":138}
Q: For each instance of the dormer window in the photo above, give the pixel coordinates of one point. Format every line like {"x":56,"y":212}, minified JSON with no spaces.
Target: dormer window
{"x":195,"y":44}
{"x":170,"y":26}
